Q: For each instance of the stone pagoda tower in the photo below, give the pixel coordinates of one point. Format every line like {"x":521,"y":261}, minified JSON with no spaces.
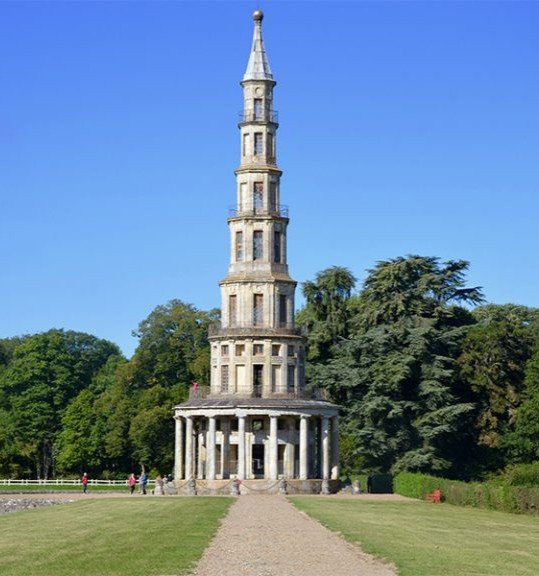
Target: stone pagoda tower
{"x":257,"y":424}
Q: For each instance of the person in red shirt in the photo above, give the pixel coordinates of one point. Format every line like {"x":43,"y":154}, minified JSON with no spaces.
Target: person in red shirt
{"x":132,"y":482}
{"x":84,"y":482}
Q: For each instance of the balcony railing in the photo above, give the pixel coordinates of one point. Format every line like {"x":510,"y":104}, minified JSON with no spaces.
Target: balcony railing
{"x":258,"y":116}
{"x":258,"y":160}
{"x":239,"y":211}
{"x":258,"y":391}
{"x":248,"y":330}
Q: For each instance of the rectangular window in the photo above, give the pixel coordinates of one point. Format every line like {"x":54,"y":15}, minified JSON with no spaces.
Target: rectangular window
{"x":258,"y":349}
{"x":258,"y":196}
{"x":240,"y":349}
{"x":240,"y":378}
{"x":243,"y":200}
{"x":275,"y":349}
{"x":282,"y":310}
{"x":258,"y":379}
{"x":275,"y":377}
{"x":270,"y":145}
{"x":290,"y":380}
{"x":232,"y":310}
{"x":224,"y":378}
{"x":239,"y":246}
{"x":245,"y":146}
{"x":273,"y":197}
{"x":258,"y":109}
{"x":258,"y":309}
{"x":224,"y":350}
{"x":258,"y":245}
{"x":258,"y":143}
{"x":291,"y":350}
{"x":276,"y":246}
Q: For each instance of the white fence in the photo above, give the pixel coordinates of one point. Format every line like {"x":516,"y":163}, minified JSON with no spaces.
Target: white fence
{"x":63,"y":482}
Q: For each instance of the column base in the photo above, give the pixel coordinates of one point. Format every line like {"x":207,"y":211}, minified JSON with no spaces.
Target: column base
{"x":192,"y":487}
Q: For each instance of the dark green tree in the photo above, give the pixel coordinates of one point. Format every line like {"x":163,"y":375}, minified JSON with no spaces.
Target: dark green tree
{"x":492,"y":363}
{"x":522,"y":443}
{"x":326,"y":314}
{"x":396,"y":373}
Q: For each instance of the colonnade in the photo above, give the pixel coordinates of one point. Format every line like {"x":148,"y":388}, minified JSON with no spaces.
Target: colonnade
{"x":249,"y":445}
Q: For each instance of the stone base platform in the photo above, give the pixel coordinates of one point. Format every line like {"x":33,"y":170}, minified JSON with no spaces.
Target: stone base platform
{"x":231,"y":487}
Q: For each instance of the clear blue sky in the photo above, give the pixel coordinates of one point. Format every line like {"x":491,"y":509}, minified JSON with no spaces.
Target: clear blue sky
{"x":406,"y":127}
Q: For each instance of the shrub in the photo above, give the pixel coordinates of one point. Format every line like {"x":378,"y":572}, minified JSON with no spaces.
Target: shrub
{"x":522,"y":475}
{"x":505,"y":497}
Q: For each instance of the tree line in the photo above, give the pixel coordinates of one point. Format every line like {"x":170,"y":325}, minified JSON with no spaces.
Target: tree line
{"x":429,"y":377}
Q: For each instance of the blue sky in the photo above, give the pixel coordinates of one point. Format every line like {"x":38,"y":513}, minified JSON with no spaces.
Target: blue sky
{"x":406,"y":128}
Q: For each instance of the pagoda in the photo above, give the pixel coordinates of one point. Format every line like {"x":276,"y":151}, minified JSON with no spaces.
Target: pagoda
{"x":256,"y":423}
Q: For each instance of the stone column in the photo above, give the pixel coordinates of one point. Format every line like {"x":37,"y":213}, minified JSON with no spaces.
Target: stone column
{"x":273,"y":450}
{"x":225,"y":448}
{"x":210,"y":450}
{"x":289,"y":450}
{"x":201,"y":459}
{"x":325,"y":448}
{"x":335,"y":448}
{"x":178,"y":453}
{"x":241,"y":447}
{"x":303,"y":448}
{"x":189,"y":467}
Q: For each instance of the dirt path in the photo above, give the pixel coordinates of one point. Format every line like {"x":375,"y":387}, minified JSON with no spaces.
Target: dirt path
{"x":267,"y":536}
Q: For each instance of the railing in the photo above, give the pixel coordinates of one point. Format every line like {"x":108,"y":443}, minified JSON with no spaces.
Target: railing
{"x":258,"y":159}
{"x":238,"y":211}
{"x":198,"y":392}
{"x":258,"y":116}
{"x":62,"y":482}
{"x":250,"y":330}
{"x":202,"y":392}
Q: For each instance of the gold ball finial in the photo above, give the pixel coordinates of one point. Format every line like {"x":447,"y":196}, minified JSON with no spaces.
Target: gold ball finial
{"x":258,"y":15}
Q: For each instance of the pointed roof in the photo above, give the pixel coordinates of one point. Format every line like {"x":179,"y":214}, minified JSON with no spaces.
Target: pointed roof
{"x":258,"y":67}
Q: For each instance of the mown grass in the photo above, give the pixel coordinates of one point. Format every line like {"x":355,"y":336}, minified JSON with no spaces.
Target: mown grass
{"x":109,"y":537}
{"x":423,"y":539}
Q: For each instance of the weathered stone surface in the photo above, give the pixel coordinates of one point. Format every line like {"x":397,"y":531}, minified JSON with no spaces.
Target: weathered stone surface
{"x":8,"y":505}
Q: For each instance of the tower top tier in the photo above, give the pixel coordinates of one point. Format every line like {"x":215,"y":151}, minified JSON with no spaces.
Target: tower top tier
{"x":258,"y":67}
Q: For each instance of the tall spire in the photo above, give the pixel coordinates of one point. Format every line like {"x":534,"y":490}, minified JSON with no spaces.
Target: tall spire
{"x":258,"y":67}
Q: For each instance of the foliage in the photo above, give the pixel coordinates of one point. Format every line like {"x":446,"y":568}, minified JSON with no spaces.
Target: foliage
{"x":326,"y":314}
{"x":492,"y":361}
{"x":45,"y":373}
{"x":523,"y":441}
{"x":522,"y":475}
{"x":70,"y":402}
{"x":173,"y":346}
{"x":505,"y":497}
{"x":395,"y":374}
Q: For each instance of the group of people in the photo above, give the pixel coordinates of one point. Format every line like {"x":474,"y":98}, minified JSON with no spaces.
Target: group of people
{"x":143,"y":482}
{"x":132,"y":482}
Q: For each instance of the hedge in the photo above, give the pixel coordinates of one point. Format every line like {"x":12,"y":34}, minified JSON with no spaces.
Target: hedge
{"x":515,"y":499}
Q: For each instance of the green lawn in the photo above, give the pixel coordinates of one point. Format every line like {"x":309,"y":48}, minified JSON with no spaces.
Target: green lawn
{"x":109,"y":537}
{"x":434,"y":539}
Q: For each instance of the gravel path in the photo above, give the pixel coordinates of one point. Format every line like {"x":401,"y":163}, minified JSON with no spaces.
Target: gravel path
{"x":267,"y":536}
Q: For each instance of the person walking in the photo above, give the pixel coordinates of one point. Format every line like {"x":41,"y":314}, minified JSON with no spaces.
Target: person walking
{"x":132,"y":481}
{"x":143,"y":481}
{"x":84,"y":482}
